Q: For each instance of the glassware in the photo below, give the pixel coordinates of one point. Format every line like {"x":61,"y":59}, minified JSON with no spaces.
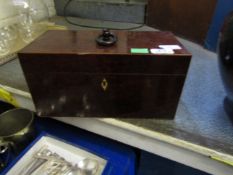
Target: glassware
{"x":32,"y":15}
{"x":38,"y":10}
{"x":11,"y":35}
{"x":4,"y":49}
{"x":27,"y":28}
{"x":8,"y":39}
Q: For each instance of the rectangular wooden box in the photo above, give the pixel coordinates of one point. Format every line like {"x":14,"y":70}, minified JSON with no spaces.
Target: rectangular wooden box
{"x":68,"y":74}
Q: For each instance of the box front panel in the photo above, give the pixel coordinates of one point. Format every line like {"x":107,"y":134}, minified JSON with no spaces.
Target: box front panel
{"x":105,"y":95}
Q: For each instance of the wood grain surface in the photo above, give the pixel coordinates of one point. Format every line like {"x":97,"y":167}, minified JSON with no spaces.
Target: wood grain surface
{"x":70,"y":75}
{"x":189,"y":19}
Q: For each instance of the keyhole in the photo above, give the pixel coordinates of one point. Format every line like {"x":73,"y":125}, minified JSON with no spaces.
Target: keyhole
{"x":104,"y":84}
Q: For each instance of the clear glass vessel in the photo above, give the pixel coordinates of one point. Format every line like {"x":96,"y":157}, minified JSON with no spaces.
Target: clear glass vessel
{"x":8,"y":39}
{"x":33,"y":15}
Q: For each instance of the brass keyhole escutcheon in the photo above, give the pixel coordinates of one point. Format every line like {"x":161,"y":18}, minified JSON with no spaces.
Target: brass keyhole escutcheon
{"x":104,"y":84}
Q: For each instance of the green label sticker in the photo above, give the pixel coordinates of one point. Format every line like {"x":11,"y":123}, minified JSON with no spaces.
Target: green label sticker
{"x":139,"y":50}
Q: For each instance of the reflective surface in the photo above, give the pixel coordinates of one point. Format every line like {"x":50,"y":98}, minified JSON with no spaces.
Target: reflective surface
{"x":225,"y":53}
{"x":16,"y":128}
{"x":82,"y":79}
{"x":16,"y":132}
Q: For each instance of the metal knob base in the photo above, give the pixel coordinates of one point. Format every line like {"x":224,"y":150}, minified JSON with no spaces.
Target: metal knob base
{"x":106,"y":38}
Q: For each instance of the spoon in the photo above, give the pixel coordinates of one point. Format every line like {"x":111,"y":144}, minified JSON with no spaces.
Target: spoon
{"x":88,"y":166}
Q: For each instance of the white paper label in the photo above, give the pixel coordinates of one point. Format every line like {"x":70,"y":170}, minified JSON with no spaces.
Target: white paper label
{"x":162,"y":51}
{"x":172,"y":47}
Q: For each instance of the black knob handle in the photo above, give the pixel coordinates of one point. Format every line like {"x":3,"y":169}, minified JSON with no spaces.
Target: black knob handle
{"x":106,"y":38}
{"x":106,"y":35}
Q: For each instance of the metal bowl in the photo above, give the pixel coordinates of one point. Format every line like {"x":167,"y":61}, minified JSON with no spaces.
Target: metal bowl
{"x":16,"y":131}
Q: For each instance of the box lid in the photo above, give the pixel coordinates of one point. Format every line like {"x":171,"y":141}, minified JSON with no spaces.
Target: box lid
{"x":134,"y":52}
{"x":83,"y":42}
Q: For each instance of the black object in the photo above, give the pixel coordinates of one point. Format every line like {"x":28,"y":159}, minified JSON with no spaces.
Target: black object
{"x":106,"y":38}
{"x":225,"y":53}
{"x":5,"y":106}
